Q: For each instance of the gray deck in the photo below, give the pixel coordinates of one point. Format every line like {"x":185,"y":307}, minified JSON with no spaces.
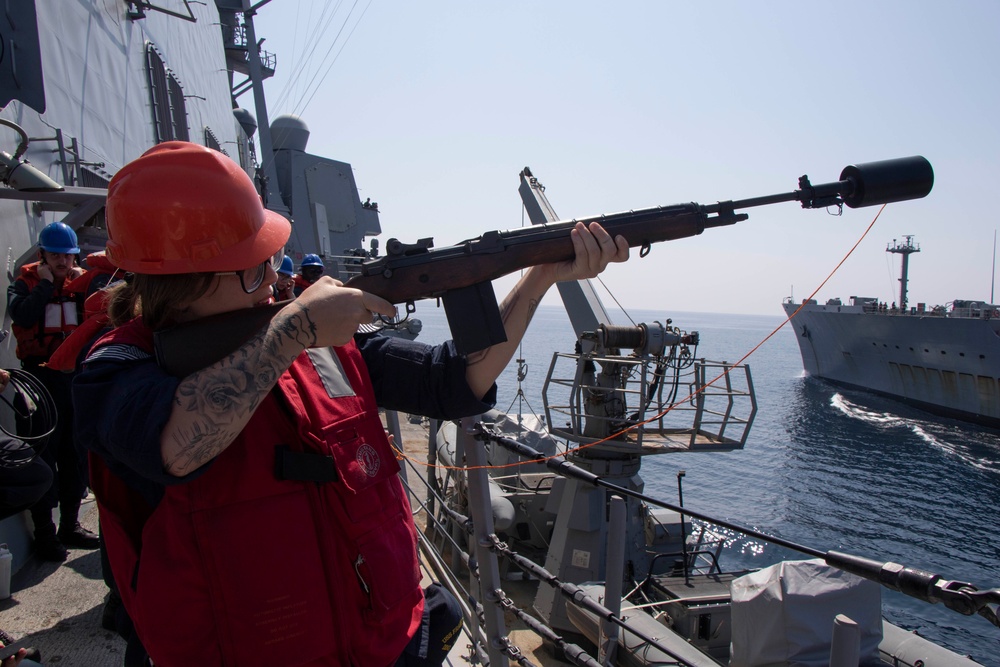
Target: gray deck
{"x":57,"y":607}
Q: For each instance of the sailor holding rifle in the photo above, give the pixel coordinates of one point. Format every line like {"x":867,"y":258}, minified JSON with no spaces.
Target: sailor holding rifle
{"x":252,"y":511}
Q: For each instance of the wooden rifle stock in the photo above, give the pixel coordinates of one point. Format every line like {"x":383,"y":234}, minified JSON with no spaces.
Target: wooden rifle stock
{"x":461,"y":274}
{"x":410,"y":273}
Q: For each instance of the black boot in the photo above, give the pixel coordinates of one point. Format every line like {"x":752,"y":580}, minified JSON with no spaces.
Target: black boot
{"x":71,"y":533}
{"x":75,"y":535}
{"x":47,"y":545}
{"x":112,"y":607}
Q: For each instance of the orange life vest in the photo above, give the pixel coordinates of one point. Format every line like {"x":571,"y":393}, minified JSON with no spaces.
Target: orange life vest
{"x":95,"y":313}
{"x":62,"y":316}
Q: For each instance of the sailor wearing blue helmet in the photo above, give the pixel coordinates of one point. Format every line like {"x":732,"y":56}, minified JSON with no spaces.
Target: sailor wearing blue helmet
{"x":284,"y":287}
{"x":43,"y":313}
{"x":310,"y":270}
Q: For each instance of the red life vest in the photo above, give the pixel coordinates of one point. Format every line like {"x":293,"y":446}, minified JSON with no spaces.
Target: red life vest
{"x":300,"y":282}
{"x":239,"y":567}
{"x":98,"y":265}
{"x":62,"y":316}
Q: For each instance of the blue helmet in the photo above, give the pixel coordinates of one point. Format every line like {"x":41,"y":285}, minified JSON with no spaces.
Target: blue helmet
{"x":286,"y":266}
{"x":312,"y":260}
{"x":58,"y":237}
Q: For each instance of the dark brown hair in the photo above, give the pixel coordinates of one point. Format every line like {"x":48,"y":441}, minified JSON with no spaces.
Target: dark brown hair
{"x":159,"y":299}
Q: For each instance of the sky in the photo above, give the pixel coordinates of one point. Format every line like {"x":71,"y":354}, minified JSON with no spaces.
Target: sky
{"x":439,"y":105}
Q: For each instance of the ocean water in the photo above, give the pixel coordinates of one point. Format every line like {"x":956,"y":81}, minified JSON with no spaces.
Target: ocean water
{"x":823,"y":467}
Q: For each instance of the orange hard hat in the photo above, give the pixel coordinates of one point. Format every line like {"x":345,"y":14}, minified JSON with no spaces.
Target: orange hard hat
{"x":185,"y":208}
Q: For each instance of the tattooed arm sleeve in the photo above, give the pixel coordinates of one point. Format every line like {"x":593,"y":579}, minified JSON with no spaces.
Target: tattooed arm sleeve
{"x":516,"y":311}
{"x":213,"y":405}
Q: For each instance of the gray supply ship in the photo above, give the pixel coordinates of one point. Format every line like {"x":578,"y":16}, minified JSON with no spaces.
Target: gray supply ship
{"x":943,"y":359}
{"x":614,"y":575}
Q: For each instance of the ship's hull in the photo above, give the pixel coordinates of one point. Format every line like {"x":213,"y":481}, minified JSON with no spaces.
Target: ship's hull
{"x":947,"y":366}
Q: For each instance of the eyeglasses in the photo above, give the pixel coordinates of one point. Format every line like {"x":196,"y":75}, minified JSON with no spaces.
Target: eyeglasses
{"x":251,"y":279}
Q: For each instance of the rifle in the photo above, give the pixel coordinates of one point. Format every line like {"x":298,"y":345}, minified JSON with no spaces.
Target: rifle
{"x":461,"y":274}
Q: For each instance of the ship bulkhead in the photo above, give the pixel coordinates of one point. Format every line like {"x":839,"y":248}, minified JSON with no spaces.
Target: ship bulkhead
{"x":93,"y":86}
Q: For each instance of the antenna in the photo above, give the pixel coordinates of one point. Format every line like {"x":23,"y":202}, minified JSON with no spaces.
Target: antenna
{"x":993,"y":277}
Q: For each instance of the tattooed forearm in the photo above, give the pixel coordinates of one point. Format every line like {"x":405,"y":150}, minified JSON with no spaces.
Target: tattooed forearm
{"x":215,"y":404}
{"x":483,"y":368}
{"x":508,"y":308}
{"x":195,"y":449}
{"x":299,"y":327}
{"x":532,"y":307}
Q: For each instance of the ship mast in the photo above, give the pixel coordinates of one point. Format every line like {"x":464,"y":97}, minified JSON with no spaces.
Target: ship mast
{"x":270,"y":184}
{"x":905,"y":248}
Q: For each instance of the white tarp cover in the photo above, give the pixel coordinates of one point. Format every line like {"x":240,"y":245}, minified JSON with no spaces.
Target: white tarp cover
{"x":783,"y":614}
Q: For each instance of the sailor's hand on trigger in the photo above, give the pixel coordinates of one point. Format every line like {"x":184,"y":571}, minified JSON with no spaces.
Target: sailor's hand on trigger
{"x":595,"y":249}
{"x":335,"y":311}
{"x":4,"y":379}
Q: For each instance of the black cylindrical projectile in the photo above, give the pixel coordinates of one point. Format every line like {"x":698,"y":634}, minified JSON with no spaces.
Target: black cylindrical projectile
{"x":888,"y":181}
